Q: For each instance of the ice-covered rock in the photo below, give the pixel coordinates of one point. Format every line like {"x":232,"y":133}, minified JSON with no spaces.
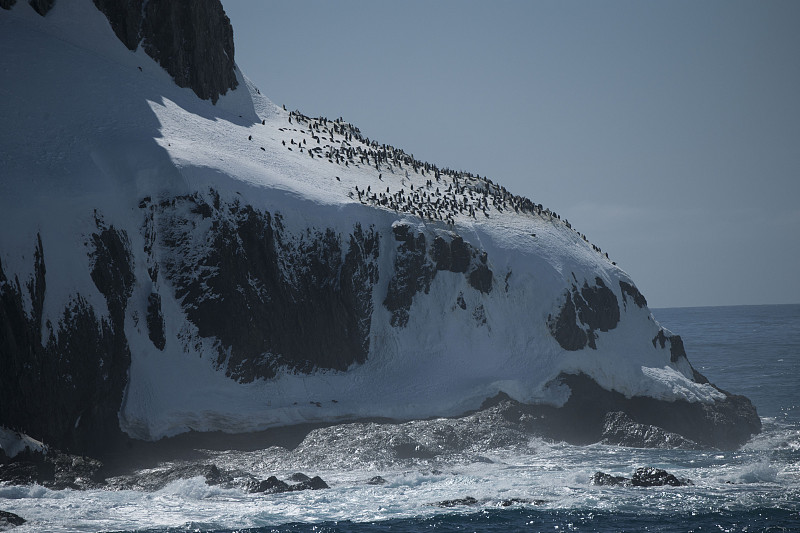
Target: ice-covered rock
{"x":168,"y":264}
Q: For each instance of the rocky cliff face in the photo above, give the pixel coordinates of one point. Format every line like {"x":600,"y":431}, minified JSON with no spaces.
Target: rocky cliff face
{"x":65,"y":381}
{"x":272,"y":299}
{"x":416,"y":265}
{"x":192,"y":40}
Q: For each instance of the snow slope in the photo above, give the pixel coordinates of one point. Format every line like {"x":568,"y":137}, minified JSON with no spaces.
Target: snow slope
{"x":90,"y":129}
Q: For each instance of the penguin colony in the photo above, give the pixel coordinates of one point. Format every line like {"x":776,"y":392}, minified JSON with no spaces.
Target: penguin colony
{"x":446,"y":193}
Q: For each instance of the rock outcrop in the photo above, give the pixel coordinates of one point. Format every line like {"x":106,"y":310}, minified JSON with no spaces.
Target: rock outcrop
{"x":9,"y":520}
{"x":66,"y":386}
{"x":271,"y":298}
{"x":595,"y":307}
{"x":647,"y":476}
{"x":417,"y":263}
{"x":725,"y":424}
{"x":620,"y":429}
{"x":193,"y":41}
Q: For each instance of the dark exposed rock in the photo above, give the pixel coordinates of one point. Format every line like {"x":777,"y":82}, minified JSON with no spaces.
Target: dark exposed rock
{"x":642,"y":477}
{"x":724,"y":424}
{"x":441,"y":254}
{"x":315,"y":483}
{"x":595,"y":307}
{"x":480,"y":278}
{"x":76,"y":472}
{"x":7,"y":4}
{"x":376,"y":480}
{"x":631,"y":290}
{"x":10,"y":520}
{"x":153,"y":480}
{"x":299,"y":477}
{"x":270,"y":298}
{"x":619,"y":429}
{"x":125,"y":18}
{"x":54,"y":470}
{"x":655,"y":477}
{"x":192,"y":41}
{"x":42,"y":6}
{"x":603,"y":479}
{"x":676,"y":349}
{"x":66,"y":388}
{"x":676,"y":352}
{"x":412,"y":274}
{"x":156,"y":479}
{"x":461,"y":255}
{"x":660,"y":338}
{"x":469,"y":500}
{"x":271,"y":485}
{"x":112,"y":269}
{"x":593,"y":414}
{"x":23,"y":473}
{"x":565,"y":327}
{"x":155,"y":321}
{"x":521,"y":501}
{"x":415,"y":267}
{"x":215,"y":476}
{"x":453,"y":256}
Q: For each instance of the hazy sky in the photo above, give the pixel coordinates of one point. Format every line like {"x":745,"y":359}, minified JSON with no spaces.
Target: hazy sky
{"x":667,"y":132}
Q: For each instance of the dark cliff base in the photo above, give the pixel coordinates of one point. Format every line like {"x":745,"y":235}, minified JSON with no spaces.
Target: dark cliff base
{"x":593,"y":414}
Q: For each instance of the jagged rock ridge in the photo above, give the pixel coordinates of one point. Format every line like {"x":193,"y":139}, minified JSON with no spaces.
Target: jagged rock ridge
{"x":272,"y":299}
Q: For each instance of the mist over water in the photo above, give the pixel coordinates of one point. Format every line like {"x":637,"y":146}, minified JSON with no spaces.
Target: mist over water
{"x":518,"y":482}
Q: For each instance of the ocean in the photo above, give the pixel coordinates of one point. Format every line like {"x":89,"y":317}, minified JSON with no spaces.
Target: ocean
{"x":493,"y":483}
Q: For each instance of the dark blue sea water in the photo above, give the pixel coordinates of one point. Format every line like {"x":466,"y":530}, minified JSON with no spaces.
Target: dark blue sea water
{"x":750,"y":350}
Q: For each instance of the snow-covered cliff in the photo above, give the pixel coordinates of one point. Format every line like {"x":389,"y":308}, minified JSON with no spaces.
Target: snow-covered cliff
{"x":168,"y":264}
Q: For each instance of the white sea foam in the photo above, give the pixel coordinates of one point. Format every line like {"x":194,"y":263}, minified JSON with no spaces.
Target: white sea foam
{"x":548,"y":476}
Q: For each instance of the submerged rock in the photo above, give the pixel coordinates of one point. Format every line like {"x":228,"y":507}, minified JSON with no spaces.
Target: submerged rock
{"x":157,"y":479}
{"x":521,"y":501}
{"x":9,"y":520}
{"x":469,"y":500}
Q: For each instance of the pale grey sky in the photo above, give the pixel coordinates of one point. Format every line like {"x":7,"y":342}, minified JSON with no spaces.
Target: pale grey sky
{"x":667,"y":132}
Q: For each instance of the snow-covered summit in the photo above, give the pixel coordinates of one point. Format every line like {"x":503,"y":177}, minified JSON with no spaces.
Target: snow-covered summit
{"x":168,"y":264}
